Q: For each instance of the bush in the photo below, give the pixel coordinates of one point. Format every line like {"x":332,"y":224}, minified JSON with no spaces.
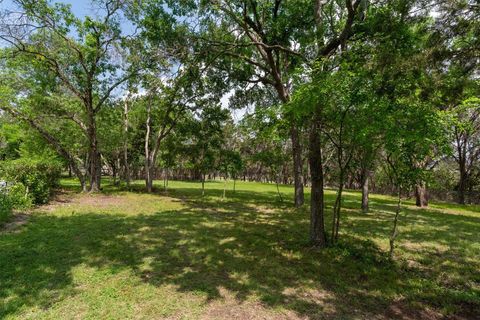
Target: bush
{"x":5,"y":207}
{"x":33,"y":180}
{"x":13,"y":197}
{"x":19,"y":196}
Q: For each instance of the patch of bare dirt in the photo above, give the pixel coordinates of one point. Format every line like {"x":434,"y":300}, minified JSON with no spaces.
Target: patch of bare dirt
{"x":231,"y":308}
{"x":95,"y":200}
{"x":60,"y":198}
{"x":401,"y":310}
{"x":17,"y":221}
{"x":99,"y":200}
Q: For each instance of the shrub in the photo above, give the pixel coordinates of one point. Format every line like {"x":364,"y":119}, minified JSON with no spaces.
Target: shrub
{"x":5,"y":207}
{"x":19,"y":196}
{"x":13,"y":196}
{"x":32,"y":179}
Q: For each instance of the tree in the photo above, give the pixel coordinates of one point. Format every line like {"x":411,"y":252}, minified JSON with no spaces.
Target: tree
{"x":467,"y":143}
{"x":230,"y":164}
{"x":261,"y":53}
{"x":23,"y":89}
{"x":455,"y":50}
{"x":80,"y":54}
{"x":273,"y":42}
{"x":110,"y":137}
{"x":170,"y":105}
{"x":205,"y":140}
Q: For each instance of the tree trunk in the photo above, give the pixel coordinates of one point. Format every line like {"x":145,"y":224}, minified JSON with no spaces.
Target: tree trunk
{"x":299,"y":198}
{"x":365,"y":180}
{"x":148,"y":154}
{"x":336,"y":213}
{"x":165,"y":179}
{"x":278,"y":192}
{"x":125,"y":143}
{"x":421,"y":198}
{"x":149,"y":171}
{"x":203,"y":185}
{"x":393,"y":236}
{"x":317,"y":225}
{"x":114,"y":173}
{"x":297,"y":167}
{"x":462,"y":186}
{"x":224,"y":188}
{"x":94,"y":162}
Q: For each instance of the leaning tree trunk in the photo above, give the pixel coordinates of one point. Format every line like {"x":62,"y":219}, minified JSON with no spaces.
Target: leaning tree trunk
{"x":297,"y":167}
{"x":53,"y":141}
{"x":278,"y":191}
{"x":317,"y":225}
{"x":421,"y":198}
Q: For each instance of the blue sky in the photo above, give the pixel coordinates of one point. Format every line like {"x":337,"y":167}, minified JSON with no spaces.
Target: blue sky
{"x":85,"y":8}
{"x":80,"y":8}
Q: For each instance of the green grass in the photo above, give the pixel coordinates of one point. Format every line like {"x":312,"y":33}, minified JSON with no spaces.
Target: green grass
{"x":131,"y":255}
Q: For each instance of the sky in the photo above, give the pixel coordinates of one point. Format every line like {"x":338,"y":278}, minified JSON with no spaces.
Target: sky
{"x":82,"y":8}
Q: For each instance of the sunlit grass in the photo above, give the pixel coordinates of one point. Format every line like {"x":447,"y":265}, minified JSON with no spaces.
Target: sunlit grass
{"x":175,"y":254}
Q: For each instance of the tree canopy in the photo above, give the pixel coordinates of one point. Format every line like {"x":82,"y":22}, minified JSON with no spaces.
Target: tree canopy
{"x":337,"y":94}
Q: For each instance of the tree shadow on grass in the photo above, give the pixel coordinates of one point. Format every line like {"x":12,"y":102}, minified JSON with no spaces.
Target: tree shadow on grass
{"x":210,"y":245}
{"x":181,"y":248}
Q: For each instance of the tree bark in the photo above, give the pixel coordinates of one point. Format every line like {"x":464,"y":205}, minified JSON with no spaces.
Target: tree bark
{"x":299,"y":197}
{"x":421,"y":197}
{"x":297,"y":167}
{"x":125,"y":143}
{"x":148,"y":155}
{"x":165,"y":179}
{"x":365,"y":181}
{"x":54,"y":143}
{"x":149,"y":172}
{"x":94,"y":168}
{"x":462,"y":186}
{"x":336,"y":213}
{"x":394,"y":233}
{"x":278,"y":191}
{"x":224,"y":188}
{"x":317,"y":225}
{"x":114,"y":173}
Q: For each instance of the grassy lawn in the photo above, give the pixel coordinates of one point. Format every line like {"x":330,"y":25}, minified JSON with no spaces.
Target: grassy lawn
{"x":176,"y":255}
